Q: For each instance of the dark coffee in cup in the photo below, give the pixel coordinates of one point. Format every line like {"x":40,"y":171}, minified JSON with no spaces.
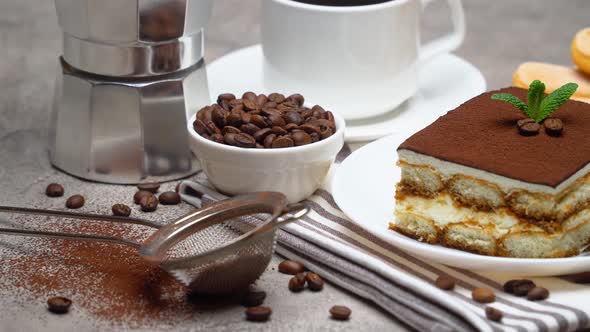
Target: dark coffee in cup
{"x":342,"y":3}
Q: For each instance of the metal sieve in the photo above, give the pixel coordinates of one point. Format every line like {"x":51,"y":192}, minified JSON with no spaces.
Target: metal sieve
{"x":218,"y":249}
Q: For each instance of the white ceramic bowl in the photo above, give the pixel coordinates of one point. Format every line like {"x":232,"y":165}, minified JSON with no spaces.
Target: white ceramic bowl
{"x":296,"y":171}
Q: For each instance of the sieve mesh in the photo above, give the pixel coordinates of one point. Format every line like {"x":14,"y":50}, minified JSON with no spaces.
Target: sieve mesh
{"x":234,"y":269}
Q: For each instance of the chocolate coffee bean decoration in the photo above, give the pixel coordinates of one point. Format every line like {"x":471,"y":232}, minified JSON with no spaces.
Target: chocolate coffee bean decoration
{"x":553,"y":127}
{"x":493,"y":314}
{"x":444,"y":282}
{"x":537,"y":294}
{"x":314,"y":281}
{"x":529,"y":129}
{"x":483,"y":295}
{"x":297,"y":284}
{"x":291,"y":267}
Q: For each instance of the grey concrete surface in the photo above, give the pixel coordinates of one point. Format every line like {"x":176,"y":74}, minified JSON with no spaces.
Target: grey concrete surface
{"x":501,"y":34}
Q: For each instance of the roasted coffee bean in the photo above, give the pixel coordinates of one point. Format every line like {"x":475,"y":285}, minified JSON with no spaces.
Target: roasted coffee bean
{"x":200,"y":127}
{"x":519,"y":287}
{"x":230,"y":139}
{"x":301,"y":138}
{"x":258,"y":120}
{"x":246,"y":117}
{"x":225,"y":96}
{"x":301,"y":277}
{"x":323,"y":123}
{"x":279,"y":131}
{"x":152,"y":187}
{"x":319,"y":109}
{"x":330,"y":117}
{"x":282,"y":142}
{"x":236,"y":103}
{"x":217,"y":138}
{"x":230,"y":129}
{"x":225,"y":105}
{"x":290,"y":126}
{"x":139,"y":195}
{"x":59,"y":305}
{"x":169,"y":198}
{"x":234,"y":119}
{"x":529,"y":129}
{"x":276,"y":97}
{"x":327,"y":132}
{"x":483,"y":295}
{"x":250,"y":105}
{"x":294,"y":117}
{"x":212,"y":128}
{"x":54,"y":190}
{"x":251,"y":96}
{"x":493,"y":314}
{"x":260,"y":135}
{"x":275,"y":120}
{"x":149,"y":203}
{"x":315,"y":137}
{"x":444,"y":282}
{"x":201,"y":113}
{"x":306,"y":114}
{"x":297,"y":98}
{"x":522,"y":122}
{"x":260,"y":146}
{"x":310,"y":128}
{"x":291,"y":267}
{"x":268,"y":140}
{"x":314,"y":281}
{"x":261,"y":100}
{"x":218,"y":116}
{"x":245,"y":141}
{"x":121,"y":210}
{"x":537,"y":294}
{"x":270,"y":104}
{"x":253,"y":298}
{"x":249,"y":129}
{"x":75,"y":202}
{"x":296,"y":284}
{"x":553,"y":126}
{"x":258,"y":314}
{"x":340,"y":312}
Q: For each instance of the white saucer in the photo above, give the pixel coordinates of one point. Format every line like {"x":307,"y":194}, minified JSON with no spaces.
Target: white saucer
{"x":444,"y":83}
{"x":364,"y":187}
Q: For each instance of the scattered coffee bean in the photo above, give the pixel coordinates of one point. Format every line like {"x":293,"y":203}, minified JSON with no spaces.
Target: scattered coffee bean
{"x":139,"y":195}
{"x":253,"y":298}
{"x":444,"y":282}
{"x":259,"y":116}
{"x":297,"y":284}
{"x":537,"y":294}
{"x":54,"y":190}
{"x":493,"y":314}
{"x":553,"y":126}
{"x":121,"y":210}
{"x":152,"y":187}
{"x":59,"y":305}
{"x":291,"y":267}
{"x":314,"y":281}
{"x":529,"y":129}
{"x":258,"y":314}
{"x":483,"y":295}
{"x":149,"y":203}
{"x":519,"y":287}
{"x":75,"y":202}
{"x":340,"y":312}
{"x":169,"y":198}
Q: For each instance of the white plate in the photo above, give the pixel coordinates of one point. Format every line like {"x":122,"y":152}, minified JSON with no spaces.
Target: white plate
{"x":364,"y":187}
{"x":443,"y":83}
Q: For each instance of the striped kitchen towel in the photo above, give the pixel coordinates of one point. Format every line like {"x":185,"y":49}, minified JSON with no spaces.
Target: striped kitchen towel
{"x":327,"y":242}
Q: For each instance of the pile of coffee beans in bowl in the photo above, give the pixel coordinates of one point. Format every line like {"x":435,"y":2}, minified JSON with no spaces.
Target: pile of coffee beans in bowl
{"x":264,"y":122}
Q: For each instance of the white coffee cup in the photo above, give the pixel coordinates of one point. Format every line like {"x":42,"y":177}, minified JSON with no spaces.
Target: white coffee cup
{"x":359,"y":61}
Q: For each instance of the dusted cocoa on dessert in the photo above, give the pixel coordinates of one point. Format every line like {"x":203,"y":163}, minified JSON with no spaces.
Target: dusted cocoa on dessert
{"x":482,"y":134}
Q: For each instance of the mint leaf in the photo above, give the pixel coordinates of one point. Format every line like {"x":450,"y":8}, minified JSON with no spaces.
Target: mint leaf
{"x":555,"y":99}
{"x":535,"y":97}
{"x":514,"y":101}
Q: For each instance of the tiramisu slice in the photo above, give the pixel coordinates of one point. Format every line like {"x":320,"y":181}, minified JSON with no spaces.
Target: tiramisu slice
{"x":484,"y":178}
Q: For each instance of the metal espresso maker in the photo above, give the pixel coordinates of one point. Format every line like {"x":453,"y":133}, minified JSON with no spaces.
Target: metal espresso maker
{"x":131,"y":74}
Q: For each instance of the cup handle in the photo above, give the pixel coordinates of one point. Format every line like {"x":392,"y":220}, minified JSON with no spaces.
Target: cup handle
{"x":450,"y":41}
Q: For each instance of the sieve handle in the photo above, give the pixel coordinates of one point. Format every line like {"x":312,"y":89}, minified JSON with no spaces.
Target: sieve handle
{"x":79,"y":216}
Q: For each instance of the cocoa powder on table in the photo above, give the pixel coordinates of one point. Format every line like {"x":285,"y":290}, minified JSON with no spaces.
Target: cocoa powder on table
{"x":109,"y":281}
